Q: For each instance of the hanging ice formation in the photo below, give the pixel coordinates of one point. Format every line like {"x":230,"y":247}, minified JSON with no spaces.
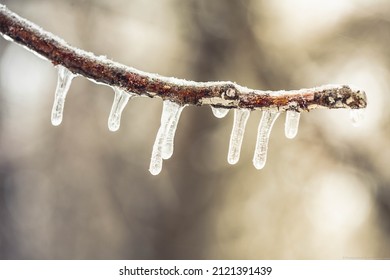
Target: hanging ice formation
{"x":219,"y":112}
{"x":264,"y":131}
{"x":120,"y":100}
{"x":163,"y":145}
{"x":167,"y":149}
{"x":291,"y":124}
{"x":63,"y":83}
{"x":357,"y":116}
{"x":240,"y":120}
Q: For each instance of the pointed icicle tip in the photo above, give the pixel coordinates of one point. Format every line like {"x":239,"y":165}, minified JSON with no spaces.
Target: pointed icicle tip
{"x":291,"y":124}
{"x":219,"y":112}
{"x":163,"y":145}
{"x":64,"y":80}
{"x":237,"y":135}
{"x":267,"y":121}
{"x":120,"y":101}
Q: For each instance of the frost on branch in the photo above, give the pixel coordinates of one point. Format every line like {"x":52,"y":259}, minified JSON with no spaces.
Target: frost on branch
{"x":128,"y":82}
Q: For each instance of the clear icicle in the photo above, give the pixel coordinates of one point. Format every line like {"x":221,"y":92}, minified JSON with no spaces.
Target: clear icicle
{"x":63,"y":83}
{"x":167,"y":149}
{"x":357,"y":116}
{"x":219,"y":112}
{"x":163,"y":145}
{"x":120,"y":100}
{"x":291,"y":124}
{"x":264,"y":131}
{"x":240,"y":120}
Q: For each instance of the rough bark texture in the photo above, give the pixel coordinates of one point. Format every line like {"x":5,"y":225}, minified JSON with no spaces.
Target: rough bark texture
{"x":218,"y":94}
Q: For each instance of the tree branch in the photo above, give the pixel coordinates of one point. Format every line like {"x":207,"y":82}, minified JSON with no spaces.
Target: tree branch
{"x":183,"y":92}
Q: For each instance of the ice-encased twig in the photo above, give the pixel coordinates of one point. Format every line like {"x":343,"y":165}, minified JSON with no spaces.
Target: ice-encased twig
{"x":219,"y":112}
{"x":238,"y":130}
{"x":63,"y":83}
{"x":163,"y":145}
{"x":267,"y":121}
{"x":219,"y":94}
{"x":120,"y":100}
{"x":292,"y":123}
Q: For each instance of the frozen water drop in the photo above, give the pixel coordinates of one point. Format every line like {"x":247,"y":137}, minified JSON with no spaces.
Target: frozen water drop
{"x":65,"y":77}
{"x":240,"y":120}
{"x":120,"y":100}
{"x":267,"y":121}
{"x":163,"y":145}
{"x":357,"y":116}
{"x":8,"y":38}
{"x":291,"y":124}
{"x":219,"y":112}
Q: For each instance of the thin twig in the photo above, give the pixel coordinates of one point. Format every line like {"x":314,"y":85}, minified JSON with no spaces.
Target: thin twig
{"x":218,"y":94}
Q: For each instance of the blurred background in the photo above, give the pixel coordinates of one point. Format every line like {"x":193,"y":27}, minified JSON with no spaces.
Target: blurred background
{"x":79,"y":191}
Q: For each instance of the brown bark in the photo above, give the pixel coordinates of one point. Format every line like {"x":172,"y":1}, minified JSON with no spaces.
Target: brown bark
{"x":218,"y":94}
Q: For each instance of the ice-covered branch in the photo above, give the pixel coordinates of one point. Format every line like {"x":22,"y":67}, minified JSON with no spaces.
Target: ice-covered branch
{"x":218,"y":94}
{"x":128,"y":82}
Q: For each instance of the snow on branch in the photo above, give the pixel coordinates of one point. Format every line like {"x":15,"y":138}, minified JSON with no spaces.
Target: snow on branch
{"x":128,"y":82}
{"x":219,"y":94}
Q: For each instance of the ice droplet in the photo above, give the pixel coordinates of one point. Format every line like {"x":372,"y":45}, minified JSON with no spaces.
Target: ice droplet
{"x":291,"y":124}
{"x":63,"y":83}
{"x":240,"y":120}
{"x":120,"y":100}
{"x":163,"y":145}
{"x":219,"y":112}
{"x":357,"y":116}
{"x":264,"y":131}
{"x":8,"y":38}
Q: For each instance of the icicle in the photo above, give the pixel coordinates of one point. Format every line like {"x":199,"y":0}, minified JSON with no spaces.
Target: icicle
{"x":163,"y":145}
{"x":219,"y":112}
{"x":167,"y":149}
{"x":240,"y":119}
{"x":291,"y":124}
{"x":357,"y":116}
{"x":63,"y":83}
{"x":264,"y":131}
{"x":120,"y":100}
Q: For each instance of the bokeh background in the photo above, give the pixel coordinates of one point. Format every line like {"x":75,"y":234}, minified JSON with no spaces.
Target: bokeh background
{"x":78,"y":191}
